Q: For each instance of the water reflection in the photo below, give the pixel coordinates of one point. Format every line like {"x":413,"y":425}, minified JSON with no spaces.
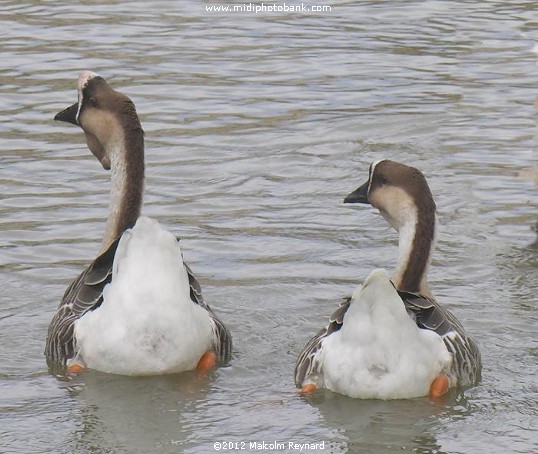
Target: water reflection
{"x":373,"y":426}
{"x":134,"y":414}
{"x":256,"y":126}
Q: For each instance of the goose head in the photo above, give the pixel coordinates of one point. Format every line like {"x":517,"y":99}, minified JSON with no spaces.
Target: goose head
{"x":398,"y":191}
{"x":115,"y":137}
{"x":104,"y":114}
{"x":403,"y":197}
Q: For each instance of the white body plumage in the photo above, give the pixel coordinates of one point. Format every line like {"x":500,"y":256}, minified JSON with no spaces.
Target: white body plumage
{"x":147,"y":323}
{"x":380,"y":353}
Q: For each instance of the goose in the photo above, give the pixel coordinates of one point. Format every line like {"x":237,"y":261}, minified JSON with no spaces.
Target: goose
{"x":137,"y":309}
{"x":391,"y":339}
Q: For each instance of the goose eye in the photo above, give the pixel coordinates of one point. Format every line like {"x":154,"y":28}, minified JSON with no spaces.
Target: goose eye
{"x":92,"y":102}
{"x":383,"y":180}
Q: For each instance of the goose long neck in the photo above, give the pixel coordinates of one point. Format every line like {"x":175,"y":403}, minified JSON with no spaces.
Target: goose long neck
{"x":416,"y":244}
{"x":126,"y":152}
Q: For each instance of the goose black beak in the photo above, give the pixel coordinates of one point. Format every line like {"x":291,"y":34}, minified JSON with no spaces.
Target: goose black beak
{"x":68,"y":115}
{"x":359,"y":195}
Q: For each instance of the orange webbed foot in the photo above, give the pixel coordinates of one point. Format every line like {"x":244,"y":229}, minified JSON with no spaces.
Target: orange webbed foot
{"x":75,"y":369}
{"x":307,"y":389}
{"x":207,"y":362}
{"x":439,"y":386}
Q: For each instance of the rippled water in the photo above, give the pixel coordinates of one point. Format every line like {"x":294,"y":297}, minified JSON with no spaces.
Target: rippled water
{"x":256,"y":127}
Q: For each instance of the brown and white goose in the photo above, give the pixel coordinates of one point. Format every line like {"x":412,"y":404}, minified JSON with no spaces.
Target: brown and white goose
{"x":137,"y":309}
{"x":391,"y":339}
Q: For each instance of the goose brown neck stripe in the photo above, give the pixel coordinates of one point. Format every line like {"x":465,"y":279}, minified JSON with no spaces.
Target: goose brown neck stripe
{"x":133,"y":156}
{"x":419,"y":256}
{"x":110,"y":120}
{"x":417,"y":251}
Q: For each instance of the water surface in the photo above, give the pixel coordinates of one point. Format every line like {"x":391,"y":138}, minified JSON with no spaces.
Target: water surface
{"x":256,"y":127}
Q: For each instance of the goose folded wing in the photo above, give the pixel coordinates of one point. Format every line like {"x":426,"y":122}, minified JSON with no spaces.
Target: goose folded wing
{"x":84,"y":294}
{"x":308,"y":364}
{"x":222,"y":341}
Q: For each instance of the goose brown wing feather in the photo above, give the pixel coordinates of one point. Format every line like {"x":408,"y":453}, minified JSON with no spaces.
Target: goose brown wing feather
{"x":84,"y":294}
{"x":222,"y":339}
{"x":428,"y":314}
{"x":308,"y":363}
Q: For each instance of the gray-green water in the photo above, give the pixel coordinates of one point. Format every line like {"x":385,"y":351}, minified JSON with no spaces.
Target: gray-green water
{"x":256,"y":127}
